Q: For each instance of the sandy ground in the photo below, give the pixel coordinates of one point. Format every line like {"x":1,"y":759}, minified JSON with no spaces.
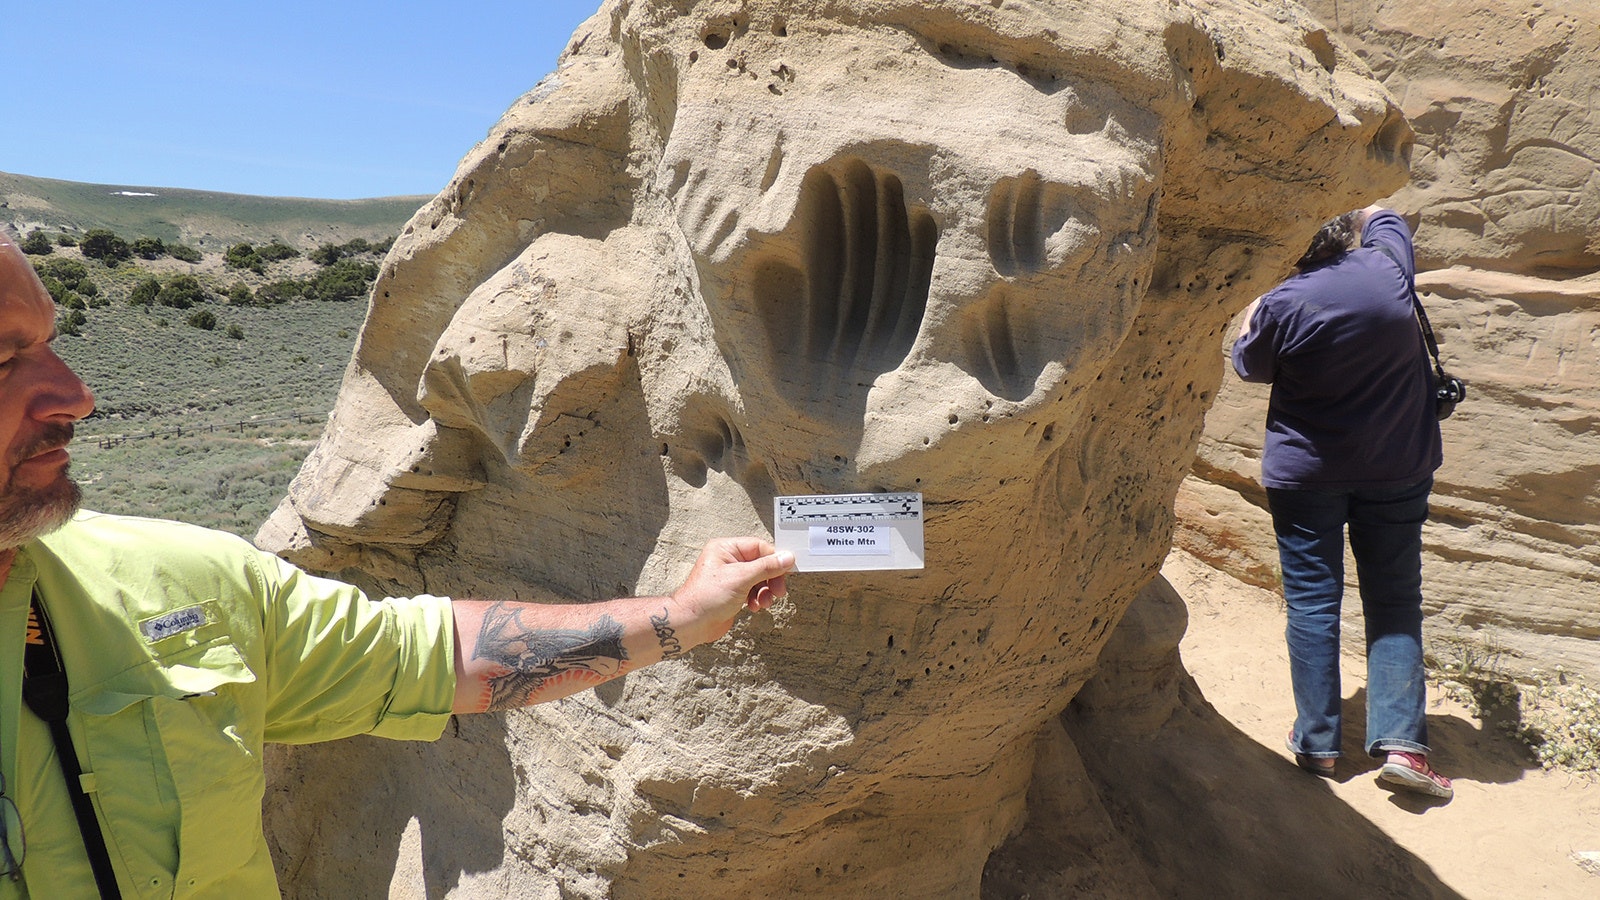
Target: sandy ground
{"x":1512,"y":830}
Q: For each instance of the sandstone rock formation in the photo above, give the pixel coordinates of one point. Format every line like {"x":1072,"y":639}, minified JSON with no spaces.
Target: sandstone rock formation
{"x":1505,"y":201}
{"x":986,"y":251}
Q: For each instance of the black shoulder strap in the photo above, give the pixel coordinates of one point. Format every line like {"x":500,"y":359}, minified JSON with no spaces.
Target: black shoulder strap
{"x":1422,"y":315}
{"x":44,"y":686}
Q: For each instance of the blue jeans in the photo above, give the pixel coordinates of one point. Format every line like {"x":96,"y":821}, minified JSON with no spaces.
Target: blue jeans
{"x":1386,"y":540}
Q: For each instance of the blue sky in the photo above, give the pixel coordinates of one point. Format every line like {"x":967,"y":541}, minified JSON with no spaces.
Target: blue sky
{"x":288,"y":98}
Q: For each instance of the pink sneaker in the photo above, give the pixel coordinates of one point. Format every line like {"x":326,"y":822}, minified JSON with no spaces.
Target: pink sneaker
{"x":1411,"y":772}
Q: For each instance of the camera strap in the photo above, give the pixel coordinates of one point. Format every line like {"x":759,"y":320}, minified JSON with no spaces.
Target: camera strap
{"x":44,"y":687}
{"x":1422,"y":315}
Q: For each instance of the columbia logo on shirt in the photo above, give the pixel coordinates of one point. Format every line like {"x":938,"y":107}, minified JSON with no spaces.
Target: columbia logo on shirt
{"x":176,"y":622}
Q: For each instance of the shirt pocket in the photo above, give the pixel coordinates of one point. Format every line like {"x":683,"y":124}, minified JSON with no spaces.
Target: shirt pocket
{"x":183,"y":718}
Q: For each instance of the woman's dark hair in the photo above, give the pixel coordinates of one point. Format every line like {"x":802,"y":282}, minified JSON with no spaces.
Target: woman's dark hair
{"x":1333,"y":239}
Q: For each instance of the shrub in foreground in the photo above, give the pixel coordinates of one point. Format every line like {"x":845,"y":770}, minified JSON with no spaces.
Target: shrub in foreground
{"x":182,"y":292}
{"x":69,"y":272}
{"x":145,"y":292}
{"x":281,"y":291}
{"x":244,"y":256}
{"x":37,"y":244}
{"x":53,"y":286}
{"x":104,"y":245}
{"x":183,"y":252}
{"x":277,"y":251}
{"x":346,"y":279}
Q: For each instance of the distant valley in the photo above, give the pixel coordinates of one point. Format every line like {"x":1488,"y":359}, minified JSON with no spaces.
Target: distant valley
{"x":203,"y":219}
{"x":213,"y":328}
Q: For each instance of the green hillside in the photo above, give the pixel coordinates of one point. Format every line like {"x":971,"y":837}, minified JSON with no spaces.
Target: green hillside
{"x":206,"y":403}
{"x":207,"y":220}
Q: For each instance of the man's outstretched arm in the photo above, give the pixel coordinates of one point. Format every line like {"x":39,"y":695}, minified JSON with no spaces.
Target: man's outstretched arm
{"x":511,"y":654}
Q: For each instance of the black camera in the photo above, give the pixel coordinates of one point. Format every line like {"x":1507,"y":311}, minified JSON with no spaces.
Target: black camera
{"x":1451,"y":390}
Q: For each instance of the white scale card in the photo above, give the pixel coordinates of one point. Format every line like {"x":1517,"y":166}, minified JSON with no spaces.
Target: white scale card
{"x":850,"y":532}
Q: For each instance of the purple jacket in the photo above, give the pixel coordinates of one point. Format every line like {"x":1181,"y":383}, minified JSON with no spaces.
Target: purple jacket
{"x":1352,"y":389}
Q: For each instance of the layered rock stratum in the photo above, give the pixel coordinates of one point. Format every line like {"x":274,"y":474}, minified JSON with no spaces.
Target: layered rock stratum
{"x":984,"y":251}
{"x":1505,"y":202}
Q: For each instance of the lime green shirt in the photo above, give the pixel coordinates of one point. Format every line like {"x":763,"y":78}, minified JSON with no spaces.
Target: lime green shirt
{"x":187,"y":649}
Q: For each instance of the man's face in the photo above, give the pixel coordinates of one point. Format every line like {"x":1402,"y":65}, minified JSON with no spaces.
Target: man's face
{"x":40,"y":399}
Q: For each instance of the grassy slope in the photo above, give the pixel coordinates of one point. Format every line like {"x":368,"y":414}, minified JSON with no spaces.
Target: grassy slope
{"x":203,"y":219}
{"x":154,"y":375}
{"x":183,"y":400}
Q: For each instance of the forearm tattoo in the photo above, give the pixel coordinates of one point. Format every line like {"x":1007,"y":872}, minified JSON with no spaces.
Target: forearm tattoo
{"x":534,"y":658}
{"x":671,"y":647}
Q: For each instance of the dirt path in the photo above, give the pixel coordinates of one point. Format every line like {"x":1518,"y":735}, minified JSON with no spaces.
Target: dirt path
{"x":1512,"y":831}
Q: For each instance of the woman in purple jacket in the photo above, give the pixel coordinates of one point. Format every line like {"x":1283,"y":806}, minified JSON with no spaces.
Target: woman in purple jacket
{"x":1351,"y":440}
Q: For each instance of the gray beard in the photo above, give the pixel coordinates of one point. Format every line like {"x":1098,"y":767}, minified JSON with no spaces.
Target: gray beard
{"x":29,"y":513}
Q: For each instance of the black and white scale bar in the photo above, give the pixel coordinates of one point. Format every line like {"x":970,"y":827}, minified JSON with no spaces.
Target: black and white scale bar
{"x":849,"y":507}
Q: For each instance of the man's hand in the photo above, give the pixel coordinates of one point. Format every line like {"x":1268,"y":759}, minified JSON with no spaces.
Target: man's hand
{"x":731,"y":574}
{"x":511,"y":654}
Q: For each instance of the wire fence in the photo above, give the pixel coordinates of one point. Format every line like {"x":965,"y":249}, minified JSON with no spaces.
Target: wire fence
{"x":106,"y":442}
